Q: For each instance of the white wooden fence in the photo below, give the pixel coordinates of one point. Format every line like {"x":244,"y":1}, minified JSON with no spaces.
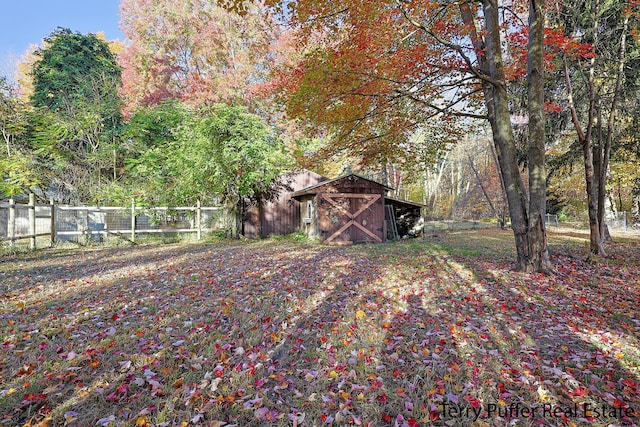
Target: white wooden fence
{"x":65,"y":223}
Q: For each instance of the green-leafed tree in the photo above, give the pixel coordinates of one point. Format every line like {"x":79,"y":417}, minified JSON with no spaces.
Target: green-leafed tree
{"x":232,"y":152}
{"x":70,"y":68}
{"x":77,"y":114}
{"x":178,"y":155}
{"x":150,"y":143}
{"x":17,"y":173}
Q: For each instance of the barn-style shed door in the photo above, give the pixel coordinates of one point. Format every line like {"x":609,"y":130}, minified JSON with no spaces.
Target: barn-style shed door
{"x":349,"y":215}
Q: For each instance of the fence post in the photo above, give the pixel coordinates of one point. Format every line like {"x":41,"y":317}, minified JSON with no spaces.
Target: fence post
{"x":87,"y":229}
{"x":52,"y":239}
{"x":198,"y":218}
{"x":32,"y":221}
{"x":133,"y":219}
{"x":11,"y":232}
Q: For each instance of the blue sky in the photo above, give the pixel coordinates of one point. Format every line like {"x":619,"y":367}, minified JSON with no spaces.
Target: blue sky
{"x":27,"y":22}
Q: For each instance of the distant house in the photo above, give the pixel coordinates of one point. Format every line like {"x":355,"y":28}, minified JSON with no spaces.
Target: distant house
{"x":344,"y":210}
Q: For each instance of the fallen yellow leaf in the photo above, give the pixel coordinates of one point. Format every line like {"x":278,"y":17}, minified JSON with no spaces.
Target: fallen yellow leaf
{"x":543,"y":394}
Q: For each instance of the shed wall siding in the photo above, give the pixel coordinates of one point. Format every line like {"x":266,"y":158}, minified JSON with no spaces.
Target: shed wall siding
{"x":282,"y":215}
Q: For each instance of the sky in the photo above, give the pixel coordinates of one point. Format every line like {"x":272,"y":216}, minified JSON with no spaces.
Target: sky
{"x":27,"y":22}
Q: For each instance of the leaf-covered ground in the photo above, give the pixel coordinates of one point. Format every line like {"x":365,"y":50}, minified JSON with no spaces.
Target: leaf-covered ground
{"x":431,"y":332}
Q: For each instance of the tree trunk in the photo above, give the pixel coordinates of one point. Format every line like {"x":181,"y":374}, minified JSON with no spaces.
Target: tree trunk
{"x":593,"y":166}
{"x":536,"y":154}
{"x":595,"y":238}
{"x":635,"y":206}
{"x":585,"y":139}
{"x":384,"y":174}
{"x":502,"y":194}
{"x":595,"y":241}
{"x":503,"y":137}
{"x":600,"y":166}
{"x":527,"y":238}
{"x":606,"y":147}
{"x":619,"y":195}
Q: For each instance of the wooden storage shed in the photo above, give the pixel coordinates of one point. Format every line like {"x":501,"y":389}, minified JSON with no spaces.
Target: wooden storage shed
{"x":281,"y":215}
{"x":344,"y":210}
{"x":404,"y":218}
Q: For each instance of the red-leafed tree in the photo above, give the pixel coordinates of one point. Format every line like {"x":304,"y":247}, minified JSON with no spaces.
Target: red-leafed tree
{"x":371,"y":72}
{"x":195,"y":51}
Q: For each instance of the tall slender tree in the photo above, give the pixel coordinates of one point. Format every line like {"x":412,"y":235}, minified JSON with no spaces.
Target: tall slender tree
{"x":595,"y":46}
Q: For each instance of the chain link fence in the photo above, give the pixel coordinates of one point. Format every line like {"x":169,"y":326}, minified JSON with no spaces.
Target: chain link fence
{"x":98,"y":222}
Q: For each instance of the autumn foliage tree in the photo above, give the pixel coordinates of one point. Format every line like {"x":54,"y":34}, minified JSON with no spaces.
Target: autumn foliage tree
{"x":195,"y":51}
{"x":374,"y":71}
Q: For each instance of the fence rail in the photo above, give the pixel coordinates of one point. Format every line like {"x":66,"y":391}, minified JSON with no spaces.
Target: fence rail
{"x":65,"y":223}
